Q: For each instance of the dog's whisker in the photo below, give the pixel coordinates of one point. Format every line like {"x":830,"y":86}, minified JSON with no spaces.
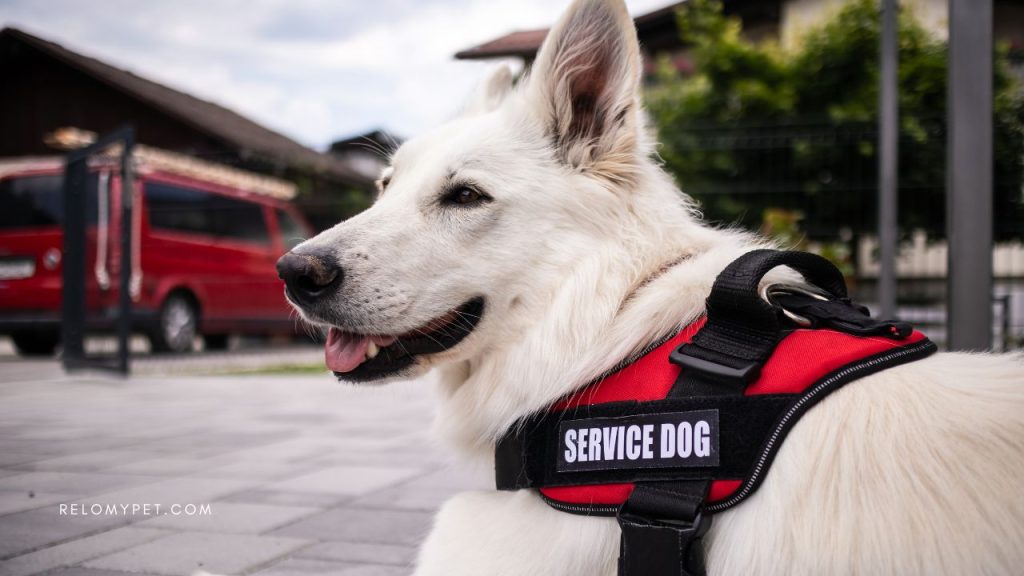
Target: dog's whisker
{"x":427,"y":334}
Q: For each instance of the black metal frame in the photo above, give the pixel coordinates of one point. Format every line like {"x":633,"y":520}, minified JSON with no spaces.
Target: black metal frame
{"x":73,"y":311}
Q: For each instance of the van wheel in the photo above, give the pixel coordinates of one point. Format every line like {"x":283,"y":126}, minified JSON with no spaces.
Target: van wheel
{"x":36,"y":343}
{"x":215,"y":341}
{"x":177,"y":326}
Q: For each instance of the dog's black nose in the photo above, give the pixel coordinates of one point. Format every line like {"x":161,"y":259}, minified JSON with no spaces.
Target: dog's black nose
{"x":309,"y":276}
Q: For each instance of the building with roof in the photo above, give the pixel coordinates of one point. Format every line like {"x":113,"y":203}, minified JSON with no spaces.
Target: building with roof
{"x":366,"y":153}
{"x":48,"y":87}
{"x":784,"y":21}
{"x":657,"y":31}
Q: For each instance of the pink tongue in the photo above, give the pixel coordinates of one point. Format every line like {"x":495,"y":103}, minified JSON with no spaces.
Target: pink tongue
{"x":344,"y":351}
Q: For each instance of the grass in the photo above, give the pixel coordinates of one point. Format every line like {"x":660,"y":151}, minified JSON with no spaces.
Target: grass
{"x":308,"y":368}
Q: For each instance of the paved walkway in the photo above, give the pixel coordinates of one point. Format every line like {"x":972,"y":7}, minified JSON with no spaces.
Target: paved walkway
{"x":298,"y":474}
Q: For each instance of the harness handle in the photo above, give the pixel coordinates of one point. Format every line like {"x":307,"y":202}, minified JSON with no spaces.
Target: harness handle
{"x":735,"y":307}
{"x":743,"y":327}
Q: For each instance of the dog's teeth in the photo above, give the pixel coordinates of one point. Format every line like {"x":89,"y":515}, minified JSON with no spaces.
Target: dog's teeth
{"x":372,"y":350}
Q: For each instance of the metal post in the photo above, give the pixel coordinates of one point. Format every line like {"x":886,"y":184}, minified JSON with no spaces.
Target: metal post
{"x":124,"y":317}
{"x":888,"y":159}
{"x":969,"y":189}
{"x":73,"y":288}
{"x":73,"y":314}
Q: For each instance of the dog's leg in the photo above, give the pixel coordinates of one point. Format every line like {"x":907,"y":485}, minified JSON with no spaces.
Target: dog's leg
{"x":516,"y":534}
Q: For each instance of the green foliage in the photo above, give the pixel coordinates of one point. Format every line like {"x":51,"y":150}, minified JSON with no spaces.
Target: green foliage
{"x":759,"y":127}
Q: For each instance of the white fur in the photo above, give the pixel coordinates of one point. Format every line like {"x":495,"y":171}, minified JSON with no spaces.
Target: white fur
{"x":910,"y":471}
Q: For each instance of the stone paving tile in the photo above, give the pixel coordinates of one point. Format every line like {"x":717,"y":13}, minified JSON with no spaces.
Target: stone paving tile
{"x":407,"y":497}
{"x":232,"y":518}
{"x":184,"y":553}
{"x":20,"y":500}
{"x":70,"y":482}
{"x":249,"y":469}
{"x":361,"y":552}
{"x":81,"y":571}
{"x":23,"y":532}
{"x":278,"y":498}
{"x":301,"y":566}
{"x":207,"y":443}
{"x":168,"y":466}
{"x":347,"y":480}
{"x":344,"y":456}
{"x":78,"y":551}
{"x":399,"y":527}
{"x":173,"y":491}
{"x":91,"y":461}
{"x":375,"y":570}
{"x":457,"y":476}
{"x":43,"y":448}
{"x":12,"y":458}
{"x":289,"y":451}
{"x":39,"y":449}
{"x":350,"y":466}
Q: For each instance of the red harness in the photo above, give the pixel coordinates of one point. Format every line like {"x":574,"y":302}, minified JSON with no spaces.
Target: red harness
{"x":690,"y":427}
{"x":801,"y":359}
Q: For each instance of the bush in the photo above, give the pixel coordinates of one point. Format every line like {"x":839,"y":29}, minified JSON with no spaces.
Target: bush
{"x":758,"y":127}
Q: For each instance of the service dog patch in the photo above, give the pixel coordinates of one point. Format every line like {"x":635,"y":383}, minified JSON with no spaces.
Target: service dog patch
{"x":667,"y":440}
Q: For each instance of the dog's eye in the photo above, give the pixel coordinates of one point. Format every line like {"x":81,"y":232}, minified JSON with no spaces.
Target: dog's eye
{"x":464,"y":195}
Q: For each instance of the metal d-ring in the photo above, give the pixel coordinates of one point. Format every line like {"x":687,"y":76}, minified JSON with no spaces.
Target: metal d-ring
{"x":768,"y":293}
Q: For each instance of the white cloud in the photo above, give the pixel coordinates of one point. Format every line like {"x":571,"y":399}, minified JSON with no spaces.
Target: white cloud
{"x":311,"y":69}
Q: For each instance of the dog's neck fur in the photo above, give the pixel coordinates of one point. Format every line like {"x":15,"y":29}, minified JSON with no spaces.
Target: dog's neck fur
{"x":621,"y":220}
{"x":564,"y":346}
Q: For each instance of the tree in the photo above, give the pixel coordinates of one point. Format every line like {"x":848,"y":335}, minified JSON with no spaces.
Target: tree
{"x":759,"y":128}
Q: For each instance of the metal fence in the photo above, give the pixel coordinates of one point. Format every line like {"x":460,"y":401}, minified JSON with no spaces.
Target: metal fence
{"x":825,"y":176}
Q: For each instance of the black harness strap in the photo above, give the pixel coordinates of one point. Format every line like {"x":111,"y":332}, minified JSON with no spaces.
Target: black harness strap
{"x":662,"y":529}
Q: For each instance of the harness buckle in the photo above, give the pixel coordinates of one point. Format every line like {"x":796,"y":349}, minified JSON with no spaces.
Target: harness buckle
{"x":741,"y":375}
{"x":662,"y":547}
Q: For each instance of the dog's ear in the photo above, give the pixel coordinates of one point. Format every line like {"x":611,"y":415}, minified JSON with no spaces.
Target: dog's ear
{"x":585,"y":85}
{"x":490,"y":93}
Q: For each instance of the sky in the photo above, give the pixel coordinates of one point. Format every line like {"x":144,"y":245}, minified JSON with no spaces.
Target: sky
{"x":314,"y":70}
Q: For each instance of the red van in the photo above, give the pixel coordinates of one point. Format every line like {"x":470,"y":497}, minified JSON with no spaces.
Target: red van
{"x":205,"y":241}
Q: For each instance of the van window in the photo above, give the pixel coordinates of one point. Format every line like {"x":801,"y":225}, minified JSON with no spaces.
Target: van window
{"x":38,"y":201}
{"x":292,"y":232}
{"x":243,"y":221}
{"x":181,"y":209}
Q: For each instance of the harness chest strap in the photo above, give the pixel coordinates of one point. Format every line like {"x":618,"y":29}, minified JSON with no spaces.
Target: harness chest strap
{"x":663,"y":444}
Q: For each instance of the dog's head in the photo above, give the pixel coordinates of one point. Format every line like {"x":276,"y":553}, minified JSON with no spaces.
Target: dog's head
{"x":481,"y":216}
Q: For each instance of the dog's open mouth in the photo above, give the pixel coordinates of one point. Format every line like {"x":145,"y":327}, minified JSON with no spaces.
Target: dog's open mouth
{"x":364,"y":357}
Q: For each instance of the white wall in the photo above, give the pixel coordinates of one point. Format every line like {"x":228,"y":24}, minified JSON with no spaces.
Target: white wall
{"x":800,"y":15}
{"x":921,"y":259}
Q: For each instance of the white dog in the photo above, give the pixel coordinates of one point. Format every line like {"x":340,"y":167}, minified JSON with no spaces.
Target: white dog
{"x":540,"y":223}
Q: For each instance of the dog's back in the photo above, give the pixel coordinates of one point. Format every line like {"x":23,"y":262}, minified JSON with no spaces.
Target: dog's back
{"x":915,"y":470}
